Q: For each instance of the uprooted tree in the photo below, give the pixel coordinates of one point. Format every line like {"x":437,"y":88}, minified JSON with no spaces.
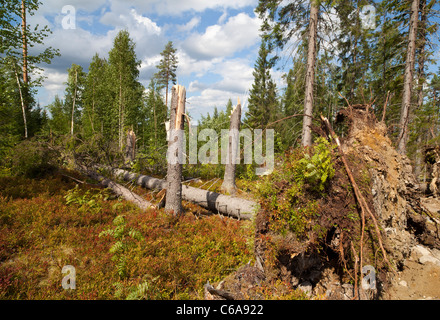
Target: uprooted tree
{"x":330,"y":211}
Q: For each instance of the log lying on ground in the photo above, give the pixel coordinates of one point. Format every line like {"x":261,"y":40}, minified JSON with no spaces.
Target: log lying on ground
{"x":119,"y":190}
{"x":213,"y":201}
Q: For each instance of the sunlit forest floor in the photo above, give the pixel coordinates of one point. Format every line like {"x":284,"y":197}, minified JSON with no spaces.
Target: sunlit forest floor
{"x":48,"y":223}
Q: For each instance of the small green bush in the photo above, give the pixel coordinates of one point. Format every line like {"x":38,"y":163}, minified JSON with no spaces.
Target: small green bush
{"x":33,"y":159}
{"x":318,"y":169}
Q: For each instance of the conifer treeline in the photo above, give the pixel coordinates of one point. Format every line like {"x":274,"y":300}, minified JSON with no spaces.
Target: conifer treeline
{"x":361,"y":55}
{"x":109,"y":99}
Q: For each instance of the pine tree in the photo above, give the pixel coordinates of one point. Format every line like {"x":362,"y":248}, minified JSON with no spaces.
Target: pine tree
{"x":408,"y":77}
{"x":354,"y":52}
{"x":16,"y":36}
{"x":284,"y":21}
{"x":167,"y":68}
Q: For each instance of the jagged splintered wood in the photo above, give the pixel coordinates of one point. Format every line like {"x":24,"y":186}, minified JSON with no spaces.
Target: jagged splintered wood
{"x":173,"y":202}
{"x":228,"y":184}
{"x":130,"y":147}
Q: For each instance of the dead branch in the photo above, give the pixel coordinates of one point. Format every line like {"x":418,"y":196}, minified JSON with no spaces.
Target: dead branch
{"x":385,"y":106}
{"x":217,"y":292}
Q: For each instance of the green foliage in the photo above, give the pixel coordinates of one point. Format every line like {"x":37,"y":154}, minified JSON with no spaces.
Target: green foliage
{"x":31,"y":158}
{"x":145,"y":289}
{"x":40,"y":233}
{"x":167,"y":67}
{"x":74,"y":96}
{"x":291,"y":193}
{"x":318,"y":168}
{"x":87,"y":201}
{"x":97,"y":115}
{"x":124,"y":241}
{"x":126,"y":90}
{"x":263,"y":106}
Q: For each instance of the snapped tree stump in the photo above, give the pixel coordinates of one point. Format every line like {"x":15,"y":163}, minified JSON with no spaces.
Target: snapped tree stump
{"x":228,"y":184}
{"x":175,"y":159}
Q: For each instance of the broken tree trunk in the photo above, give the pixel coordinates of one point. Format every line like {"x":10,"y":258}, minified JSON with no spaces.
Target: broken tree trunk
{"x":130,"y":148}
{"x":173,"y":202}
{"x":228,"y":184}
{"x":226,"y":205}
{"x":119,"y":190}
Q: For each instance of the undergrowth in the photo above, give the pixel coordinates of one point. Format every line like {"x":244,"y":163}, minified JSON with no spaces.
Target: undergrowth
{"x":291,"y":194}
{"x":118,"y":252}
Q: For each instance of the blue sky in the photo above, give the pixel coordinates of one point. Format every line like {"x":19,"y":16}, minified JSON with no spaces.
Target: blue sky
{"x":217,"y":43}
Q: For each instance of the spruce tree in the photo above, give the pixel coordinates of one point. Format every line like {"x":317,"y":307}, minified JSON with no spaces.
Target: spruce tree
{"x":59,"y":122}
{"x":262,"y":103}
{"x":283,"y":21}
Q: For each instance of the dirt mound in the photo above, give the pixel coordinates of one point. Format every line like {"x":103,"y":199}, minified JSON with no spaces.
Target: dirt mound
{"x":318,"y":240}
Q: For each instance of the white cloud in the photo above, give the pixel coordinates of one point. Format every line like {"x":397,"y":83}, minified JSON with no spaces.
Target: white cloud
{"x":208,"y":99}
{"x":204,"y":57}
{"x":190,"y":25}
{"x":190,"y":66}
{"x":237,"y":75}
{"x":149,"y":25}
{"x":223,"y":17}
{"x":236,"y":81}
{"x":53,"y":85}
{"x":238,"y":33}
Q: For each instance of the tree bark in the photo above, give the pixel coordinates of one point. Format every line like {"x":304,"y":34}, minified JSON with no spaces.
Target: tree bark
{"x":130,"y":148}
{"x":228,"y":184}
{"x":119,"y":190}
{"x":310,"y":75}
{"x":25,"y":66}
{"x":175,"y":151}
{"x":23,"y":107}
{"x":121,"y":124}
{"x":226,"y":205}
{"x":408,"y":77}
{"x":24,"y":39}
{"x":73,"y":104}
{"x":421,"y":82}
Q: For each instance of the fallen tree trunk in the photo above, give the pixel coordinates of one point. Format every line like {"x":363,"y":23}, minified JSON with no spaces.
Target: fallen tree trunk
{"x":119,"y":190}
{"x":213,"y":201}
